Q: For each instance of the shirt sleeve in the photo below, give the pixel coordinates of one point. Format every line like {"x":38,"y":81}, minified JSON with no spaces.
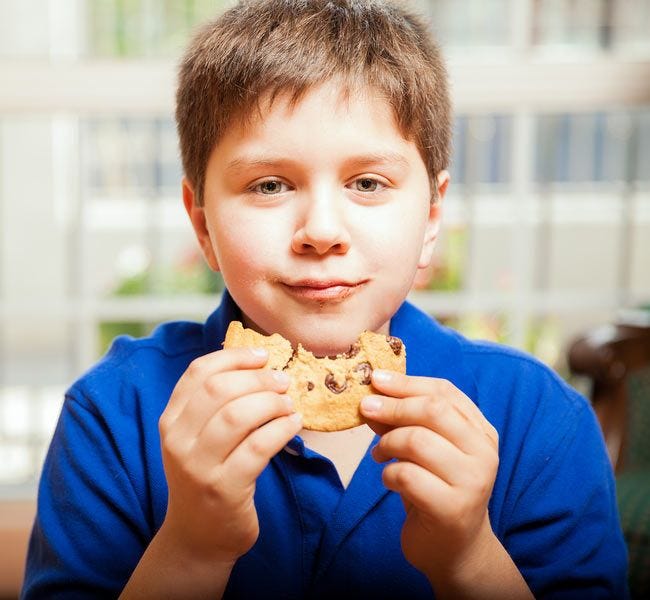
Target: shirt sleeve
{"x":90,"y":528}
{"x":564,"y":532}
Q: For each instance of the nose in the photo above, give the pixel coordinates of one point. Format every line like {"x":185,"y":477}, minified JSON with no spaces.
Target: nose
{"x":321,"y":228}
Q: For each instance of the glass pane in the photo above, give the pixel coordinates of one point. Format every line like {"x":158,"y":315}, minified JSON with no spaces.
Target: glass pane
{"x":465,"y":26}
{"x":594,"y":147}
{"x":124,"y":156}
{"x":583,"y":257}
{"x":589,"y":25}
{"x":140,"y":241}
{"x":632,"y":26}
{"x":579,"y":24}
{"x":24,"y":29}
{"x":140,"y":28}
{"x":481,"y":149}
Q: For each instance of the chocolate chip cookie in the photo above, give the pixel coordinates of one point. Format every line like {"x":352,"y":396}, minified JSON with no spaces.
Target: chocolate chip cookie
{"x":327,"y":391}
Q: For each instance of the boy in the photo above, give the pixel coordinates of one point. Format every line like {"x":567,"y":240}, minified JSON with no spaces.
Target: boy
{"x":315,"y":136}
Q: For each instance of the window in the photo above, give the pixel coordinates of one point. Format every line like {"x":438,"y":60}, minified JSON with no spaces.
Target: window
{"x":547,"y":223}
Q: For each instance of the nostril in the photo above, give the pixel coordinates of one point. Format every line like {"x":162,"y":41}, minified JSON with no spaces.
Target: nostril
{"x":321,"y":234}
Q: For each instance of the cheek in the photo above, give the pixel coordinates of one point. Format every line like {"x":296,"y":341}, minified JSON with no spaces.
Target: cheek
{"x":398,"y":242}
{"x":246,"y":247}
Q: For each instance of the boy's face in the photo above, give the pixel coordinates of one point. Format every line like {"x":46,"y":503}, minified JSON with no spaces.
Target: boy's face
{"x":318,"y":218}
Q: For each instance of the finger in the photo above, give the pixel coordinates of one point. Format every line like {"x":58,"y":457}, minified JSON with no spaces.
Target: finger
{"x":219,"y":389}
{"x":236,"y":420}
{"x":399,"y":385}
{"x":200,"y":368}
{"x":416,"y":486}
{"x":437,"y":414}
{"x":251,"y":457}
{"x":379,"y":428}
{"x":425,"y":448}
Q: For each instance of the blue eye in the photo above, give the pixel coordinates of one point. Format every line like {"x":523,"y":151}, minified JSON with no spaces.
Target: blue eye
{"x":270,"y":187}
{"x":366,"y":184}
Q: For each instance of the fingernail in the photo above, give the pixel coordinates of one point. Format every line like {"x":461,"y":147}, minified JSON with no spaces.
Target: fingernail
{"x":288,"y":401}
{"x":296,"y":417}
{"x":373,"y":452}
{"x":371,"y":404}
{"x":381,"y":376}
{"x":259,"y":352}
{"x":281,"y":377}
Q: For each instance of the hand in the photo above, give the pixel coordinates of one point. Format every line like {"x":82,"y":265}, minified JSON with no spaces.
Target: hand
{"x":447,"y":459}
{"x":225,"y":420}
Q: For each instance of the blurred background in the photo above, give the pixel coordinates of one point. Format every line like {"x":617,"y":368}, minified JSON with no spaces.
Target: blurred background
{"x":547,"y":222}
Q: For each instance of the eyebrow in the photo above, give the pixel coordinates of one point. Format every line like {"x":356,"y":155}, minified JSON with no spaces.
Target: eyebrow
{"x":251,"y":162}
{"x":381,"y":158}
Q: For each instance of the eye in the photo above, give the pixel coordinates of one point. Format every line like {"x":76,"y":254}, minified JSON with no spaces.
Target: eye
{"x":270,"y":187}
{"x":367,"y":184}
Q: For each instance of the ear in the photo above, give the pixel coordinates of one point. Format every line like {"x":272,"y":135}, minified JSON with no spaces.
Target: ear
{"x":196,"y":214}
{"x":433,"y":222}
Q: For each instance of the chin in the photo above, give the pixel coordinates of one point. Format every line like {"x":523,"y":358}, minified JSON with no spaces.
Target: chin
{"x":322,"y":348}
{"x":325,"y":337}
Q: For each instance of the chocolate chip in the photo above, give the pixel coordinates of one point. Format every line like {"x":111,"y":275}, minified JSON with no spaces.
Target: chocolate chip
{"x":353,"y":350}
{"x":310,"y":386}
{"x":332,"y":386}
{"x":365,"y":370}
{"x":395,"y":344}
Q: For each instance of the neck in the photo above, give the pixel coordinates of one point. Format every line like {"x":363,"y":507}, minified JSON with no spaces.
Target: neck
{"x":344,"y":448}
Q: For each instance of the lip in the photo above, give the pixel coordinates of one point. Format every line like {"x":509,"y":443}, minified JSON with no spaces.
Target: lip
{"x":322,"y":290}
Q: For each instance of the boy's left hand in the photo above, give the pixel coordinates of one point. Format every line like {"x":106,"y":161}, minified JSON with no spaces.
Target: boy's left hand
{"x":447,"y":459}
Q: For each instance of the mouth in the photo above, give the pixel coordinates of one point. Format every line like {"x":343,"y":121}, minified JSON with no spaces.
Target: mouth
{"x":322,"y":290}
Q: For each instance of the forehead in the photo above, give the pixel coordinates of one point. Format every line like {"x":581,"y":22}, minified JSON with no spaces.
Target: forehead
{"x":330,"y":112}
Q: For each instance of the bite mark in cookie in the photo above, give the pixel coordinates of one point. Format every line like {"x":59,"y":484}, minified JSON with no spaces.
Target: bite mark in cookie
{"x":326,"y":391}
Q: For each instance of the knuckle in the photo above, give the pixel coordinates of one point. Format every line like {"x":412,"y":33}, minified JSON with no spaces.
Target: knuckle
{"x":195,"y":368}
{"x":433,"y":409}
{"x":494,"y":463}
{"x":397,"y":475}
{"x":404,"y":476}
{"x":481,"y":479}
{"x":493,"y":433}
{"x":256,"y":445}
{"x":480,"y":486}
{"x":445,"y":388}
{"x":231,"y":416}
{"x":211,"y":386}
{"x":401,"y":411}
{"x":164,"y":425}
{"x":173,"y":447}
{"x":413,"y":440}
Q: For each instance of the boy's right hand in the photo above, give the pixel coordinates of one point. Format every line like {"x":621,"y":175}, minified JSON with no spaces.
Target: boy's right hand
{"x":225,"y":420}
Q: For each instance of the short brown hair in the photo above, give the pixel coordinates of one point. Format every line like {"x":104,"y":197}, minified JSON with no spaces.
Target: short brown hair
{"x":275,"y":47}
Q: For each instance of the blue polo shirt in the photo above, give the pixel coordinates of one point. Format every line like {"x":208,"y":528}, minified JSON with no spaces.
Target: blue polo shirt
{"x":103,"y":494}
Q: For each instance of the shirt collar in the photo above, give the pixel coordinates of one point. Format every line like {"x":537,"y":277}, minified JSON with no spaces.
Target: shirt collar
{"x":431,"y":349}
{"x":214,"y":332}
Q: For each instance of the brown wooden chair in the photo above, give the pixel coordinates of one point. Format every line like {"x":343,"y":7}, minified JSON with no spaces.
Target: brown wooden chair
{"x":616,"y":361}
